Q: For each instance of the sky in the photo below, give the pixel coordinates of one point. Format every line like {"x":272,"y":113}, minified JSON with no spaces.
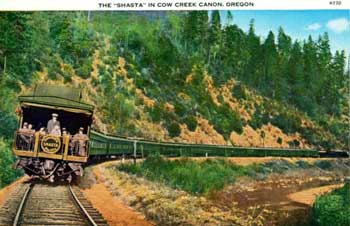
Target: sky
{"x":299,"y":24}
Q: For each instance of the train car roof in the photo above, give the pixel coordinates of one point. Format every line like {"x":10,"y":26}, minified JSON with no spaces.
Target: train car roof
{"x":56,"y":96}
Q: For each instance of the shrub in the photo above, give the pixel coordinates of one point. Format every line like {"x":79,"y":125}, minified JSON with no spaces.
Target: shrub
{"x":67,"y":73}
{"x":294,"y":143}
{"x":239,"y":92}
{"x":279,"y":140}
{"x":8,"y":124}
{"x":302,"y":164}
{"x":155,"y":112}
{"x":7,"y":172}
{"x":277,"y":166}
{"x":288,"y":122}
{"x":225,"y":121}
{"x":333,"y":208}
{"x":191,"y":122}
{"x":191,"y":176}
{"x":259,"y":118}
{"x":323,"y":164}
{"x":180,"y":109}
{"x":85,"y":69}
{"x":53,"y":67}
{"x":174,"y":129}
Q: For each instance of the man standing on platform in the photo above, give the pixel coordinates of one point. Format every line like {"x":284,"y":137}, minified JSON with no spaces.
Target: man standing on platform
{"x":79,"y":142}
{"x":52,"y":123}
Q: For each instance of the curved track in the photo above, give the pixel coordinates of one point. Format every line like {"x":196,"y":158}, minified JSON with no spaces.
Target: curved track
{"x":43,"y":204}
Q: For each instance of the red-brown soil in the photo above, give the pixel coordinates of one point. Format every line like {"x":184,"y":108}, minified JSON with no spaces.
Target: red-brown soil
{"x":113,"y":210}
{"x":280,"y":200}
{"x":308,"y":196}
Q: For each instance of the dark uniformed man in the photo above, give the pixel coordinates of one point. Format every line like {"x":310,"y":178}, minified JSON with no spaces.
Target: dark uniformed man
{"x":79,"y":142}
{"x":52,"y":123}
{"x":23,"y":141}
{"x":27,"y":136}
{"x":31,"y":133}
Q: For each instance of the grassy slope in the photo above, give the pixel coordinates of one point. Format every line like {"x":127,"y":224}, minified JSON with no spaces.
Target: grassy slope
{"x":204,"y":177}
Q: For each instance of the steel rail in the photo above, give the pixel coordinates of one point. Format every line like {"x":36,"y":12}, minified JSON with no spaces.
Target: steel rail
{"x":82,"y":208}
{"x":21,"y":205}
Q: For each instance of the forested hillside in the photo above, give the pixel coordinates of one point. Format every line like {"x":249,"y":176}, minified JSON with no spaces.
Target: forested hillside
{"x":183,"y":76}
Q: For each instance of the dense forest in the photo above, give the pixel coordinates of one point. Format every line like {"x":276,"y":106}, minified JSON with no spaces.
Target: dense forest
{"x":152,"y":72}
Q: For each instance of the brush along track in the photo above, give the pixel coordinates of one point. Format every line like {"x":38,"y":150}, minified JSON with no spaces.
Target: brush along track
{"x":42,"y":204}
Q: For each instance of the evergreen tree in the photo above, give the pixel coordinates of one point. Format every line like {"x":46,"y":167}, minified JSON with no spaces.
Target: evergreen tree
{"x":310,"y":76}
{"x":16,"y":39}
{"x":214,"y":40}
{"x":270,"y":65}
{"x":336,"y":84}
{"x":296,"y":89}
{"x":254,"y":62}
{"x":234,"y":52}
{"x":324,"y":57}
{"x":196,"y":29}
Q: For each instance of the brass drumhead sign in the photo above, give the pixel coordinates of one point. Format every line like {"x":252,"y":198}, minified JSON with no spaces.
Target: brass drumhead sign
{"x":51,"y":144}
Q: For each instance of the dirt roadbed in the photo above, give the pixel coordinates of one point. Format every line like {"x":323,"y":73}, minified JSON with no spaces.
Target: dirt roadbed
{"x":111,"y":207}
{"x":308,"y":196}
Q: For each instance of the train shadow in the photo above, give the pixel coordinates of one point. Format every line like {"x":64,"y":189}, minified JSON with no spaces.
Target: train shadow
{"x":38,"y":180}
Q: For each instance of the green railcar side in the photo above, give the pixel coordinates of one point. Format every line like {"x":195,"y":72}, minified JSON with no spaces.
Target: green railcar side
{"x":99,"y":144}
{"x":102,"y":144}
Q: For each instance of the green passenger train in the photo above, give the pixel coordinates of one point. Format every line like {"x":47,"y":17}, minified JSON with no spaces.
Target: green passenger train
{"x":57,"y":148}
{"x":105,"y":146}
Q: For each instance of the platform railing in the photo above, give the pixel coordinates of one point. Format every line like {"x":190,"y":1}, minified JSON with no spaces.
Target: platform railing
{"x":35,"y":144}
{"x":24,"y":140}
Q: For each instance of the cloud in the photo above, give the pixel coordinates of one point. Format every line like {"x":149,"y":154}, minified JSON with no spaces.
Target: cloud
{"x":313,"y":27}
{"x":339,"y":25}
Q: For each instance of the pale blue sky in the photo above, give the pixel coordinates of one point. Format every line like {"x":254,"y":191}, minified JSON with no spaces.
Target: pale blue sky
{"x":299,"y":24}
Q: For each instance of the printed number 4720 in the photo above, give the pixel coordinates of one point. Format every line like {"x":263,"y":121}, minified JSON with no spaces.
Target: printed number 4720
{"x":335,"y":2}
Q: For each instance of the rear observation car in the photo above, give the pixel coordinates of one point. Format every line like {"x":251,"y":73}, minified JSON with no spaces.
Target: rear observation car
{"x":55,"y":149}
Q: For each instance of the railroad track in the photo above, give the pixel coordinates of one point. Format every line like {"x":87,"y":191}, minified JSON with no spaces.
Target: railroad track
{"x":43,"y":204}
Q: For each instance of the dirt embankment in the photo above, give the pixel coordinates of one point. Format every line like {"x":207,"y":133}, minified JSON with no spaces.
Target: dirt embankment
{"x":167,"y":206}
{"x":111,"y":207}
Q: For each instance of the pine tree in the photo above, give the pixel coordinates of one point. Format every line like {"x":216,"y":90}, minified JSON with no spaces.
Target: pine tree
{"x":295,"y":77}
{"x":214,"y":37}
{"x":284,"y":43}
{"x":336,"y":83}
{"x":234,"y":52}
{"x":254,"y":60}
{"x":310,"y":76}
{"x":16,"y":39}
{"x":324,"y":58}
{"x":270,"y":64}
{"x":196,"y":28}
